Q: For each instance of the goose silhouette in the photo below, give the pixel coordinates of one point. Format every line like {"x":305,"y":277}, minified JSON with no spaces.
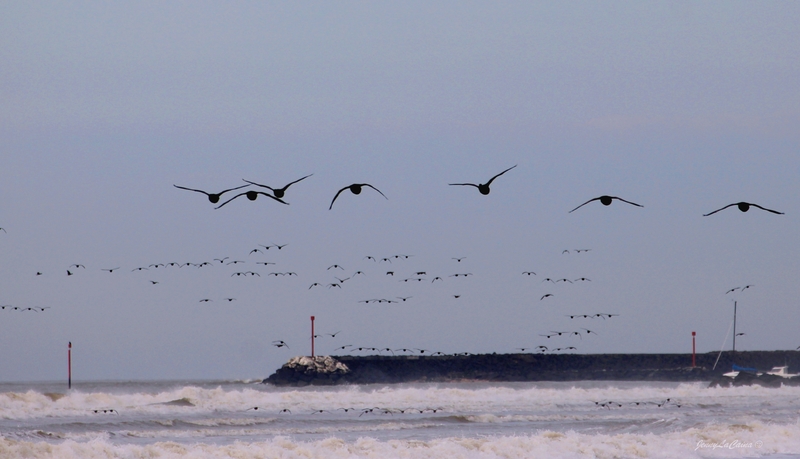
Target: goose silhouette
{"x":212,"y":197}
{"x":278,"y":192}
{"x":483,"y":188}
{"x":606,"y":201}
{"x":252,"y":195}
{"x":355,"y":189}
{"x":744,"y":207}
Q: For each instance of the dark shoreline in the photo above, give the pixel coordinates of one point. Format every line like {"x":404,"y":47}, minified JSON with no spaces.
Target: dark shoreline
{"x":532,"y":367}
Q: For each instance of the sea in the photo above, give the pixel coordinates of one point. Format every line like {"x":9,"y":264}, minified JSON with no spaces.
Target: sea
{"x":246,"y":419}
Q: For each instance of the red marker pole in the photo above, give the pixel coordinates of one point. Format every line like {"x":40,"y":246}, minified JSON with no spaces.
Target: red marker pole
{"x":693,"y":348}
{"x":312,"y":336}
{"x":69,"y":365}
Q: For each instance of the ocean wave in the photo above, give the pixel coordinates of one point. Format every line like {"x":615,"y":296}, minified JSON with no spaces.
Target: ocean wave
{"x":745,"y":440}
{"x":445,"y":399}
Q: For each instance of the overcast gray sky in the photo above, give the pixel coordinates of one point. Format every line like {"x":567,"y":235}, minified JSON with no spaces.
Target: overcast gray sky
{"x":682,"y":107}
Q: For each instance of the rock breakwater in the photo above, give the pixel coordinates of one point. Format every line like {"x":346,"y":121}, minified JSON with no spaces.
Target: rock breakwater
{"x":331,"y":370}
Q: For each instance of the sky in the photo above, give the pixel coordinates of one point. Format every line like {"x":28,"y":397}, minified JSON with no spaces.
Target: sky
{"x":681,"y":107}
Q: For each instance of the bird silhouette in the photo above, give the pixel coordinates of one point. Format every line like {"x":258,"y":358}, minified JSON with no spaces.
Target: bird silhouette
{"x":546,"y":295}
{"x":744,"y":207}
{"x":252,"y":195}
{"x":111,"y":270}
{"x":355,"y":189}
{"x":528,"y":273}
{"x":212,"y":197}
{"x":278,"y":192}
{"x":606,"y":201}
{"x":483,"y":188}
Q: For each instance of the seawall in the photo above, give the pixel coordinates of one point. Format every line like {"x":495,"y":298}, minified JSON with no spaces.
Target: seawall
{"x":529,"y":367}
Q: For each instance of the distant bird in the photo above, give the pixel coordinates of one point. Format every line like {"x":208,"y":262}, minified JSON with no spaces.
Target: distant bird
{"x":229,"y":299}
{"x":436,"y":278}
{"x":38,"y":273}
{"x":213,"y":197}
{"x":582,"y":250}
{"x":546,"y":295}
{"x":154,"y":282}
{"x":403,"y":298}
{"x":369,"y":257}
{"x":245,"y":273}
{"x":528,"y":273}
{"x":280,"y":343}
{"x":4,"y":230}
{"x":111,"y":270}
{"x":583,"y":279}
{"x":278,"y":192}
{"x":732,"y":290}
{"x":69,"y":273}
{"x":402,"y":256}
{"x":315,"y":284}
{"x":606,"y":201}
{"x":205,"y":300}
{"x":221,"y":260}
{"x":744,"y":207}
{"x":334,"y":285}
{"x":252,"y":195}
{"x":235,"y":262}
{"x":333,"y":335}
{"x":461,"y":274}
{"x":156,"y":265}
{"x":564,"y":251}
{"x":335,"y":266}
{"x":739,"y":334}
{"x":483,"y":188}
{"x":355,"y":189}
{"x":459,"y":259}
{"x":255,"y":250}
{"x":139,"y":269}
{"x":564,"y":280}
{"x":77,"y":266}
{"x":456,"y":296}
{"x":390,"y":273}
{"x":265,"y":263}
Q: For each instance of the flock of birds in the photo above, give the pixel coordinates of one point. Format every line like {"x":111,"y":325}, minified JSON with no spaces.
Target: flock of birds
{"x":339,"y":275}
{"x":356,"y":188}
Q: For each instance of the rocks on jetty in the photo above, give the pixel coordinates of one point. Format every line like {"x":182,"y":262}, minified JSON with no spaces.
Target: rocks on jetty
{"x":382,"y":369}
{"x":301,"y":371}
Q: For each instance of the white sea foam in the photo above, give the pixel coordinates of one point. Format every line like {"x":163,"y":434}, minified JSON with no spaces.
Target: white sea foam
{"x":472,"y":420}
{"x":470,"y":400}
{"x":749,"y":440}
